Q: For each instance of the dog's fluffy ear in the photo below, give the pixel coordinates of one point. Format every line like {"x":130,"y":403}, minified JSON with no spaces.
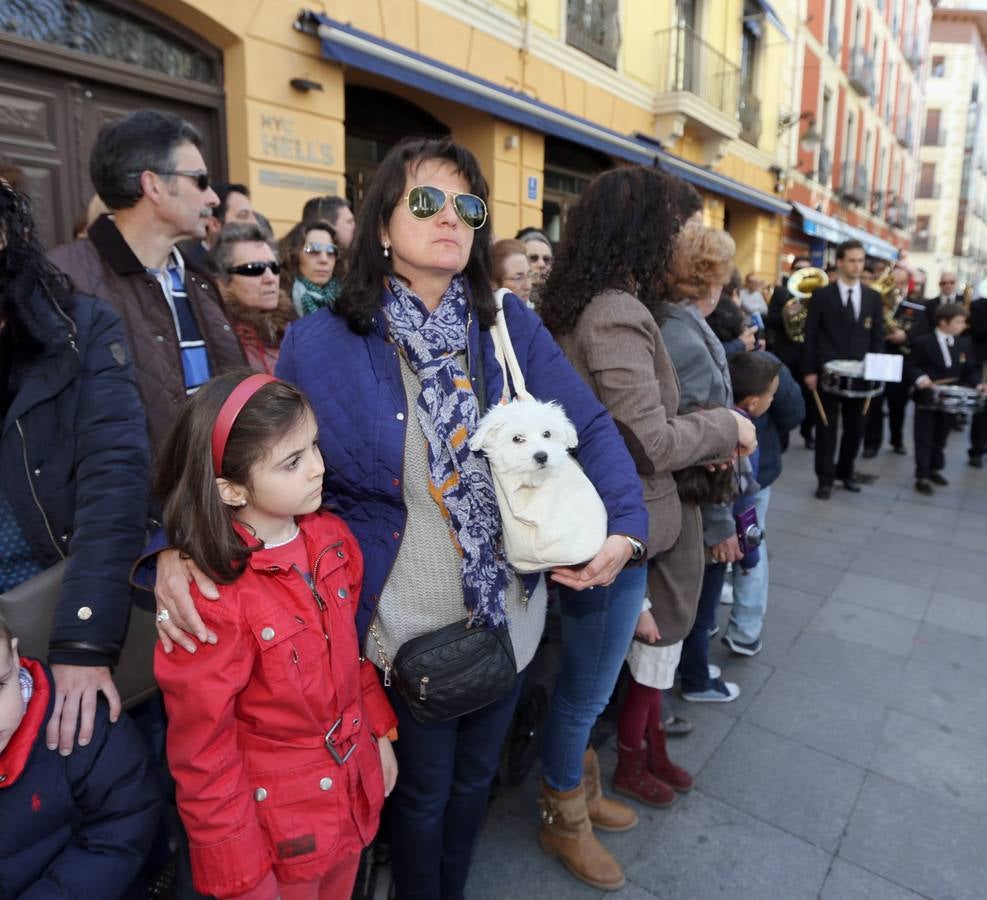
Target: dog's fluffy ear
{"x":565,"y":428}
{"x":486,"y":431}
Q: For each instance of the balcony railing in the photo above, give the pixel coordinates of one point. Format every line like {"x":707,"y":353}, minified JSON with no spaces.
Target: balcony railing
{"x":833,"y":43}
{"x":861,"y":183}
{"x":899,"y":216}
{"x":749,"y":112}
{"x":933,"y":137}
{"x":853,"y":183}
{"x":861,"y":72}
{"x":923,"y":243}
{"x":693,"y":66}
{"x":928,"y":190}
{"x":903,"y":131}
{"x":825,"y":166}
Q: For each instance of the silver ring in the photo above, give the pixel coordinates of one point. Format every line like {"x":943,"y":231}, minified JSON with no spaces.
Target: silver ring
{"x":162,"y":616}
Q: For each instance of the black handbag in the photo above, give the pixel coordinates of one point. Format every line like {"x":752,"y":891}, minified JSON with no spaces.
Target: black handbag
{"x":452,"y":671}
{"x":29,"y":610}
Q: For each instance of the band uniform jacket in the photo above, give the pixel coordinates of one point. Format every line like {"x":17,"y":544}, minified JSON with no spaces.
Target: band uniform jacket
{"x":829,"y":333}
{"x":926,"y":359}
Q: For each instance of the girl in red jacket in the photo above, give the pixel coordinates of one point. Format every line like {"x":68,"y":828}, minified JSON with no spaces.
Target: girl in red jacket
{"x":279,"y":735}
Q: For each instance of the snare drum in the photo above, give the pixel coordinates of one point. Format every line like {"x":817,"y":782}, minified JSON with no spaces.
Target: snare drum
{"x":950,"y":398}
{"x":844,"y":378}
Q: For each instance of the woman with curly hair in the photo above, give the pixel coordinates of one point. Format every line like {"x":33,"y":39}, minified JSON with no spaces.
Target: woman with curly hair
{"x":604,"y":307}
{"x":246,"y":270}
{"x":700,"y":265}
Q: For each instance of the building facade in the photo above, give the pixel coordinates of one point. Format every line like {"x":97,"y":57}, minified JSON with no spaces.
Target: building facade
{"x":547,"y":93}
{"x":863,"y":65}
{"x":951,"y":196}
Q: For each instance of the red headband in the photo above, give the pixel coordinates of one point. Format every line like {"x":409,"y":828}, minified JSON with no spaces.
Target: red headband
{"x":234,"y":404}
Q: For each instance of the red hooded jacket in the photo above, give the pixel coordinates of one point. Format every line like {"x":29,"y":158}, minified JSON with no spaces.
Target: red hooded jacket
{"x":272,"y":735}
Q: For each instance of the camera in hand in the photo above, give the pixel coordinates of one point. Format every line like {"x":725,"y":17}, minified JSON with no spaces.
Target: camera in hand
{"x":749,"y":536}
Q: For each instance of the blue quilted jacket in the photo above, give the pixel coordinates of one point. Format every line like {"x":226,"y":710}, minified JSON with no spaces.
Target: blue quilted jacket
{"x":354,"y":384}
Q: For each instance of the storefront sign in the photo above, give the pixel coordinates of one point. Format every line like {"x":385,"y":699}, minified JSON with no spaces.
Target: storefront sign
{"x":283,"y":138}
{"x":297,"y":182}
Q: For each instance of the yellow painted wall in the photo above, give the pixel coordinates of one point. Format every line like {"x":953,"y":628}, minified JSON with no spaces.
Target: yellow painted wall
{"x":289,"y":145}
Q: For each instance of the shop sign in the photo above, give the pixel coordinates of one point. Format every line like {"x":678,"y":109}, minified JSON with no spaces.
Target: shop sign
{"x":283,"y":139}
{"x":312,"y":184}
{"x":532,"y":187}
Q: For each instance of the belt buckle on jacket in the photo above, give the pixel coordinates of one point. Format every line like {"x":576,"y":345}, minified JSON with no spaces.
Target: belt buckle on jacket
{"x":330,"y":742}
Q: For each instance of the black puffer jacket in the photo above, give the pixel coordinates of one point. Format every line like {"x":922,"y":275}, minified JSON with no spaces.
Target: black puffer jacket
{"x":74,"y":461}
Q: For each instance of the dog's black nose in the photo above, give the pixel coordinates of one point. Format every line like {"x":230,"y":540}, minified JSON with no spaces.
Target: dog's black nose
{"x":541,"y":457}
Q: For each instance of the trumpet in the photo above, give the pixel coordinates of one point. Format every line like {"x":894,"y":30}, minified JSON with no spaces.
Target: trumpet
{"x":801,"y":285}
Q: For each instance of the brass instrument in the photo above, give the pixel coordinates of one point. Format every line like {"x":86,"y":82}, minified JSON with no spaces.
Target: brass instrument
{"x":800,"y":285}
{"x":890,"y":297}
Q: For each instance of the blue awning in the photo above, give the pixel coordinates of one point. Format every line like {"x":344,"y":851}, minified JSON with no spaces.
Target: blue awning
{"x":772,"y":17}
{"x":817,"y":224}
{"x":352,"y":47}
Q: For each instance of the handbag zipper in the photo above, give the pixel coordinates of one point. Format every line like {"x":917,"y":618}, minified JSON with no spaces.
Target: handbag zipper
{"x":422,"y":685}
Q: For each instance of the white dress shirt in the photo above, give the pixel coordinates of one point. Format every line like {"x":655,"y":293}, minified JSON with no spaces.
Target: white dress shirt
{"x":945,"y":346}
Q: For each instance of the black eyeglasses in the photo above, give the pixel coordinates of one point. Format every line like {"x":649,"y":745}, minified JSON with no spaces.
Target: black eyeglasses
{"x":201,"y":178}
{"x":314,"y":249}
{"x":545,"y":258}
{"x":425,"y":201}
{"x":255,"y":269}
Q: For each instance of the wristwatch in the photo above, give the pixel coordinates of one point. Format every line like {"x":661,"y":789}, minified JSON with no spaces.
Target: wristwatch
{"x":637,"y":548}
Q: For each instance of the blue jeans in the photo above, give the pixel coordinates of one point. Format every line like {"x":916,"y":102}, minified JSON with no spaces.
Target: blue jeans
{"x":434,"y":814}
{"x":694,"y":664}
{"x":597,"y":629}
{"x":750,"y":589}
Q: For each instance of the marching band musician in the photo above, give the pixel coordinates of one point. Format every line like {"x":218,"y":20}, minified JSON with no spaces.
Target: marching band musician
{"x":845,"y":321}
{"x":978,"y":336}
{"x":943,"y":357}
{"x":910,"y":322}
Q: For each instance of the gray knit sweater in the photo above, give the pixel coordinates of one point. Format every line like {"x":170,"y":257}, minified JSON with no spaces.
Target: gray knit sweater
{"x":424,"y":591}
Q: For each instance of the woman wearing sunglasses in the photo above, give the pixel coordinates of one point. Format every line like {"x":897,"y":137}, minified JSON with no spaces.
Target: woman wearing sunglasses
{"x":398,"y":378}
{"x":309,"y":253}
{"x":247,"y":270}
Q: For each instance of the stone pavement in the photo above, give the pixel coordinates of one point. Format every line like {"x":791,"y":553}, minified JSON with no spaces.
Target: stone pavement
{"x":854,"y":762}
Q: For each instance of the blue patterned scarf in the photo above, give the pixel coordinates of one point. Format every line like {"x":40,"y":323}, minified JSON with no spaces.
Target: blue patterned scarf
{"x":448,"y":412}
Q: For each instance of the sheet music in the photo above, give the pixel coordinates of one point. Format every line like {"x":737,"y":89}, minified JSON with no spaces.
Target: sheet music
{"x":883,"y":367}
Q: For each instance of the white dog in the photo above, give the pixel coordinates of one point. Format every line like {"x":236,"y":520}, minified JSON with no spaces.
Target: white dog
{"x":551,"y":513}
{"x":527,"y":439}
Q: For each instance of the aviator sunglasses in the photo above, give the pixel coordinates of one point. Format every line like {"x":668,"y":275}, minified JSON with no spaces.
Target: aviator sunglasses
{"x":425,"y":201}
{"x":315,"y":249}
{"x":255,"y":269}
{"x":201,"y":179}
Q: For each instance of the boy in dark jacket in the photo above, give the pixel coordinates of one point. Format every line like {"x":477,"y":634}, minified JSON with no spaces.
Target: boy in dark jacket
{"x":765,"y":390}
{"x":70,"y":826}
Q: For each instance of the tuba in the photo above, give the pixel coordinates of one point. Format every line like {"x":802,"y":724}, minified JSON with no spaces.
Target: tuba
{"x":800,"y":285}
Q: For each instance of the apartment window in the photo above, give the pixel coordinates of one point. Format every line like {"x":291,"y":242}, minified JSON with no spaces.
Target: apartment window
{"x":927,"y":181}
{"x":938,"y":66}
{"x":593,"y":26}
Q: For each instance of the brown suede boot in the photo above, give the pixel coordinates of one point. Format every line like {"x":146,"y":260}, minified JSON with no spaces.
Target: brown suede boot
{"x":633,"y":778}
{"x":661,"y":766}
{"x":605,"y":813}
{"x":567,"y":834}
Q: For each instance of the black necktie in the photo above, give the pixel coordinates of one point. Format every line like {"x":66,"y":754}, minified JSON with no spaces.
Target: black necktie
{"x":851,"y":316}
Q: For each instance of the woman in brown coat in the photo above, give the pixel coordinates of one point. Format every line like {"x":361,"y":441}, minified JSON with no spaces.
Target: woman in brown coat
{"x":603,"y":304}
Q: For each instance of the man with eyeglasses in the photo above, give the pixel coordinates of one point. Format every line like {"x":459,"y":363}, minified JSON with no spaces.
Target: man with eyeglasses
{"x":148,"y":169}
{"x":947,"y":294}
{"x":538,"y":249}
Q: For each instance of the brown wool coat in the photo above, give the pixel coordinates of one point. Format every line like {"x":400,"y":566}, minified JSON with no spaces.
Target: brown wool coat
{"x":617,"y":349}
{"x":104,"y":266}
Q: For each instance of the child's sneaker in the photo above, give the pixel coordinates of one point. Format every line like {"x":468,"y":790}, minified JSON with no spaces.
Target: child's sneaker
{"x":744,"y":649}
{"x":726,"y":595}
{"x":717,"y":692}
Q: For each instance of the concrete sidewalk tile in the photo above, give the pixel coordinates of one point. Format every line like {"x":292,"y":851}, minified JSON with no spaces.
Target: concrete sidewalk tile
{"x":818,"y":550}
{"x":969,"y":585}
{"x":970,"y":540}
{"x":853,"y":669}
{"x":945,"y":647}
{"x":856,"y":623}
{"x":708,"y":849}
{"x":930,"y":845}
{"x":783,"y":782}
{"x":819,"y":716}
{"x":896,"y":568}
{"x":924,"y":755}
{"x":810,"y":526}
{"x":944,"y":692}
{"x":900,"y":545}
{"x":816,"y":578}
{"x":915,"y":510}
{"x":958,"y":613}
{"x":748,"y":674}
{"x":791,"y":606}
{"x":876,"y":593}
{"x":849,"y":882}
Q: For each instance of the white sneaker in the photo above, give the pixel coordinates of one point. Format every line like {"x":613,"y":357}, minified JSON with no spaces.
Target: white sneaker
{"x":726,"y":595}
